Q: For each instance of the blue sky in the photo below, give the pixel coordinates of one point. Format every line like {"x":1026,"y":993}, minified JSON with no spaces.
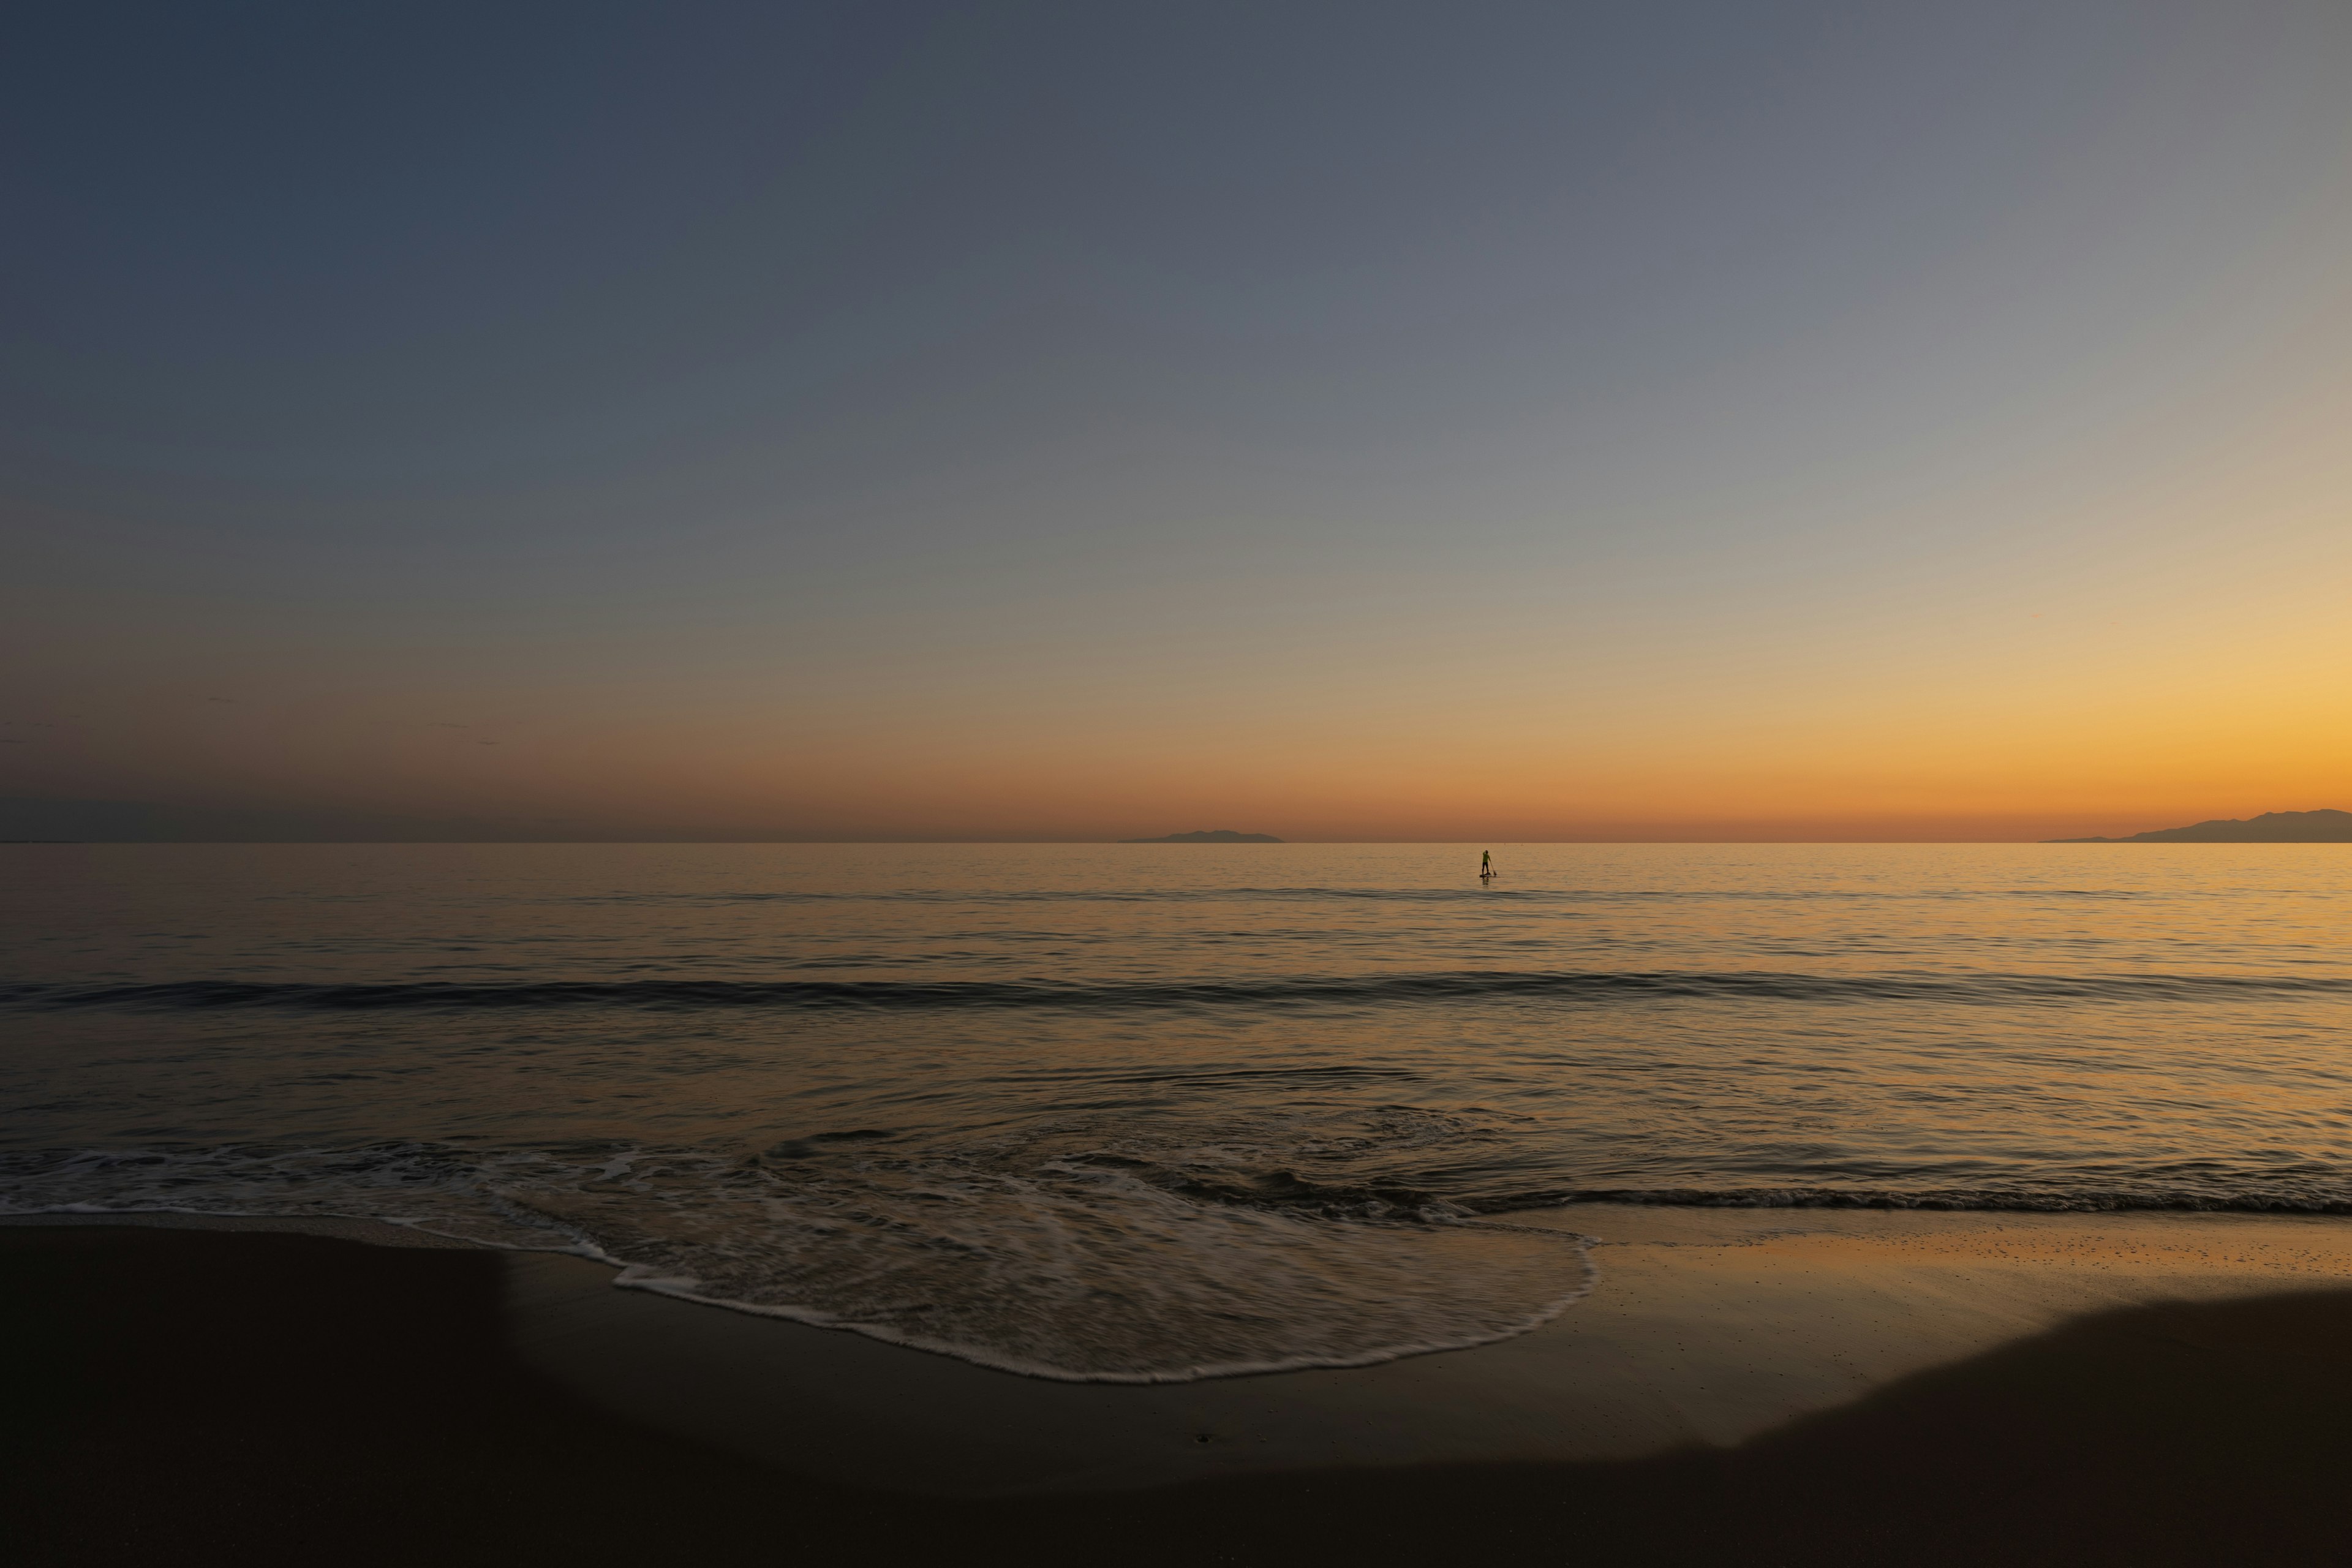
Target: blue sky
{"x":1359,"y":420}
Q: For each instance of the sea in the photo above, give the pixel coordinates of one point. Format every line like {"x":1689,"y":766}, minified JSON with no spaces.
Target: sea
{"x":1156,"y":1112}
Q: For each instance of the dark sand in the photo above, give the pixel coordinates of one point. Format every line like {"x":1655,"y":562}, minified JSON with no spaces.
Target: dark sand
{"x":193,"y":1396}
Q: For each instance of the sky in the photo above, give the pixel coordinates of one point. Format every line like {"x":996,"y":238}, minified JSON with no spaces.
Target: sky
{"x":1681,"y":421}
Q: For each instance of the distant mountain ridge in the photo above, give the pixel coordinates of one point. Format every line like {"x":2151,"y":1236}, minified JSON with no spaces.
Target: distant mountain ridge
{"x":1208,"y":836}
{"x":2323,"y":827}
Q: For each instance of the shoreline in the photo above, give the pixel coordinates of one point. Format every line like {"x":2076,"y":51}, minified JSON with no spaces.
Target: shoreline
{"x":2161,"y":1388}
{"x":1699,"y":1327}
{"x":1705,"y":1327}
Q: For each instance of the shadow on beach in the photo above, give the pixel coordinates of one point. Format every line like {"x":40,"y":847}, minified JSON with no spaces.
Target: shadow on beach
{"x":193,"y":1397}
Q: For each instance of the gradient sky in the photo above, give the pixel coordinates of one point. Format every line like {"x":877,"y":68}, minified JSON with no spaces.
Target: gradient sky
{"x":1337,"y":421}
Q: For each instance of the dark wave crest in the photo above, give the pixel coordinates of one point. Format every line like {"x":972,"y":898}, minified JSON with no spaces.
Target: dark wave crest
{"x":1313,"y":895}
{"x":1354,"y":991}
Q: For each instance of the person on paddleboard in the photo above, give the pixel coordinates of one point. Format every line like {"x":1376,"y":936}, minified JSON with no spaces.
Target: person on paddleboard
{"x":1486,"y":862}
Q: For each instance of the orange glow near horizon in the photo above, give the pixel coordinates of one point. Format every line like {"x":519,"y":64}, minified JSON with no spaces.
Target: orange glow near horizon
{"x":1979,"y":722}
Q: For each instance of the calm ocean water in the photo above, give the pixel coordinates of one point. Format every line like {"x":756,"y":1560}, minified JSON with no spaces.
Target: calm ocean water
{"x":1137,"y":1112}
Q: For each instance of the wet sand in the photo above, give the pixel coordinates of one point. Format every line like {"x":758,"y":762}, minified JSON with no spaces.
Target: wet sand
{"x":1759,"y":1386}
{"x":1707,"y":1327}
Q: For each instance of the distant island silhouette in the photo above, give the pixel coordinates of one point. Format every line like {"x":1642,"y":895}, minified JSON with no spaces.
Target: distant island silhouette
{"x":1219,"y":835}
{"x":2326,"y":826}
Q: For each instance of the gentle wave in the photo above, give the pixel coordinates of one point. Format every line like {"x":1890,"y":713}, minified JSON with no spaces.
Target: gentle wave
{"x":1083,"y":1270}
{"x":1986,"y":1200}
{"x":1073,"y":1271}
{"x":1285,"y":991}
{"x":1262,"y":896}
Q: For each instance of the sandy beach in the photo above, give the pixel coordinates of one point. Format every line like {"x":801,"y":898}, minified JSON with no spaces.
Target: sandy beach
{"x":1756,"y":1385}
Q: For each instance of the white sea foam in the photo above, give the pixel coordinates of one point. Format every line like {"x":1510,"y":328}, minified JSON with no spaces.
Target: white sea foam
{"x":1069,"y":1269}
